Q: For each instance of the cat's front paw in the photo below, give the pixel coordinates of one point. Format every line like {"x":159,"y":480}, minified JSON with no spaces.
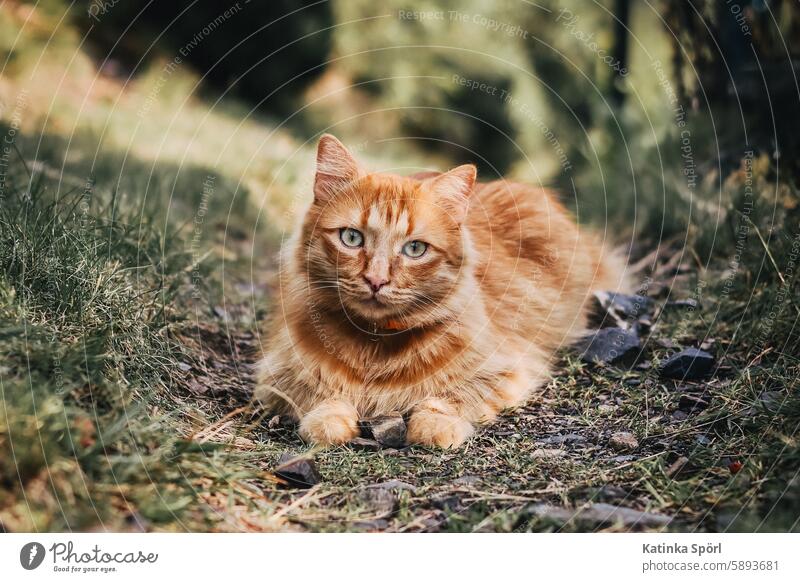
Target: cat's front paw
{"x":333,"y":422}
{"x":436,"y":423}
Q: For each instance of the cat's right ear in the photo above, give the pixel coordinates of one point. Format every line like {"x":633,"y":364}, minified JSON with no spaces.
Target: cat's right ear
{"x":336,"y":169}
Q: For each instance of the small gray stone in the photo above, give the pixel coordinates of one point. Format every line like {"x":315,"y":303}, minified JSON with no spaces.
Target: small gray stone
{"x":467,"y":481}
{"x":382,"y":502}
{"x":607,"y":409}
{"x":393,"y":484}
{"x":299,"y":472}
{"x":361,"y":444}
{"x":599,"y":513}
{"x":623,"y":458}
{"x":560,"y":439}
{"x":448,"y":503}
{"x":371,"y":525}
{"x":623,"y":441}
{"x":388,"y":430}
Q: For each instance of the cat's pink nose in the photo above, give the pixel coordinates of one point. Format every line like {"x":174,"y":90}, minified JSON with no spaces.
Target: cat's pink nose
{"x":375,"y":282}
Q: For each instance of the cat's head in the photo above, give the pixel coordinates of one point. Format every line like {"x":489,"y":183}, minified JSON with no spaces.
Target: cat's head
{"x":386,"y":249}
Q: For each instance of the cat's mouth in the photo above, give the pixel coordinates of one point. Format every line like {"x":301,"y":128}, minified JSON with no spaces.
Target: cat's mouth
{"x":374,"y":306}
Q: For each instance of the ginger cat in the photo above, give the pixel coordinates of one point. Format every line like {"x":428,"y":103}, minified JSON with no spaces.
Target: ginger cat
{"x":431,"y":295}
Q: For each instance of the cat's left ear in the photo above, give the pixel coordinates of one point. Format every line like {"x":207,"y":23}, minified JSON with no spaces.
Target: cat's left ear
{"x":453,"y":189}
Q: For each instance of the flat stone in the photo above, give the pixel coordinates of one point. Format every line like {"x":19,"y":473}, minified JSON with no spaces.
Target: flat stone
{"x":599,"y":514}
{"x":388,"y":430}
{"x":607,"y":409}
{"x":623,"y":458}
{"x":690,"y":364}
{"x":623,"y":441}
{"x":362,"y":444}
{"x":467,"y":480}
{"x":560,"y":439}
{"x":371,"y":525}
{"x":382,"y":502}
{"x":548,"y":453}
{"x":610,"y":345}
{"x":298,"y":472}
{"x":393,"y":484}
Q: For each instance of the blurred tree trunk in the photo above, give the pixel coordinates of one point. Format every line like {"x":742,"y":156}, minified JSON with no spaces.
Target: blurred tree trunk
{"x":741,"y":53}
{"x":622,"y":12}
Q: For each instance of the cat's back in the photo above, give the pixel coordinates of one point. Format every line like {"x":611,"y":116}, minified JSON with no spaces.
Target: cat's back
{"x":512,"y":220}
{"x":534,"y":265}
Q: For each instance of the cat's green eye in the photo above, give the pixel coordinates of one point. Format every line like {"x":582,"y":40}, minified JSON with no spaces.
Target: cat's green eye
{"x":415,"y":248}
{"x":351,"y":238}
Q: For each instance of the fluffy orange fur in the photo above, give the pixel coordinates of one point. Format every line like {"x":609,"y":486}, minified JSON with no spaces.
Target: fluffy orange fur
{"x":365,"y":326}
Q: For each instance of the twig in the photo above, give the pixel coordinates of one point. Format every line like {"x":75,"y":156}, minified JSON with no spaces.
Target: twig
{"x":766,"y":249}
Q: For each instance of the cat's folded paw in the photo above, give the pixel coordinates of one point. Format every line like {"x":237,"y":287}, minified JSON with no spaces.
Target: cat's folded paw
{"x":333,"y":422}
{"x":435,"y":423}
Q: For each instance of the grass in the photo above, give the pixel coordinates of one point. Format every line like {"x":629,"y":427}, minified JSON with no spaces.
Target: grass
{"x":125,"y":391}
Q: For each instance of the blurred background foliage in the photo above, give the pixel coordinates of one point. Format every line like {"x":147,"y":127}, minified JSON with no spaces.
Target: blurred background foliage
{"x":595,"y":98}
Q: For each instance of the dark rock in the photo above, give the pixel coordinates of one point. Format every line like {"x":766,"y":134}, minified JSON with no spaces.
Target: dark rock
{"x":623,"y":441}
{"x":609,"y":492}
{"x":689,"y":364}
{"x":448,"y":503}
{"x":643,"y":326}
{"x":692,"y":403}
{"x":362,"y":444}
{"x":691,"y":304}
{"x":389,"y":431}
{"x":610,"y":345}
{"x":297,"y":472}
{"x":679,"y":416}
{"x":623,"y":310}
{"x":135,"y":521}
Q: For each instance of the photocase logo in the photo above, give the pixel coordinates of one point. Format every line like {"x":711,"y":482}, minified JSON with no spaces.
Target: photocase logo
{"x":31,"y":555}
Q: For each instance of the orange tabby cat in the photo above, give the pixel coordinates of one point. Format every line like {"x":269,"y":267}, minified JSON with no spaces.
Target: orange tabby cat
{"x":431,"y":295}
